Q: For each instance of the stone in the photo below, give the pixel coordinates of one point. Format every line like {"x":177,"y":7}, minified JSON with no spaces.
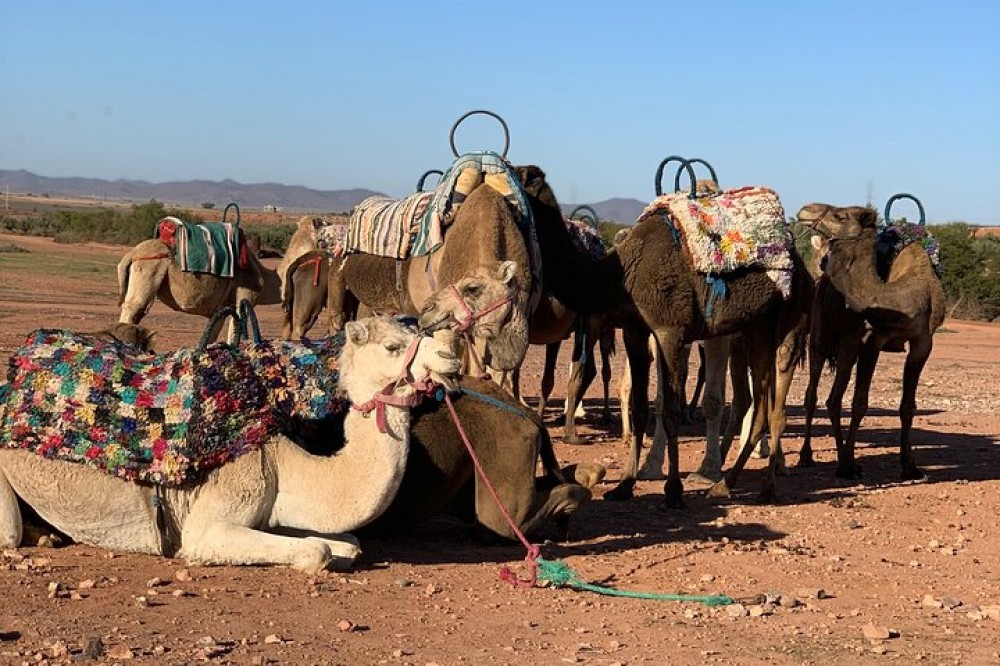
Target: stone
{"x":875,"y":632}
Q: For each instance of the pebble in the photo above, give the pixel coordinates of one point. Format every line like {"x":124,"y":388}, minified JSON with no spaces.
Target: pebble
{"x":811,"y":593}
{"x":122,"y":652}
{"x":875,"y":632}
{"x":346,"y":625}
{"x":930,"y":602}
{"x":182,"y":575}
{"x":272,"y":639}
{"x":736,"y":610}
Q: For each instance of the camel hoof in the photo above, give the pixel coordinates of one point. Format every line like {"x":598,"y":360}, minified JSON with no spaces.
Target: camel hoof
{"x":587,"y":475}
{"x":620,"y":493}
{"x":575,"y":439}
{"x":761,"y":452}
{"x":806,"y":461}
{"x":704,"y":476}
{"x":913,"y":474}
{"x":719,"y":490}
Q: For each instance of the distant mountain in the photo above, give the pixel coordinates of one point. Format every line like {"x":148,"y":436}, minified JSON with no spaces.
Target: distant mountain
{"x":623,"y":211}
{"x":192,"y":192}
{"x":253,"y":195}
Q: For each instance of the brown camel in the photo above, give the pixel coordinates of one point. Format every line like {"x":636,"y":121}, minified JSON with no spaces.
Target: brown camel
{"x":313,"y":281}
{"x":905,"y":304}
{"x":647,"y":280}
{"x":149,"y":271}
{"x":484,"y":230}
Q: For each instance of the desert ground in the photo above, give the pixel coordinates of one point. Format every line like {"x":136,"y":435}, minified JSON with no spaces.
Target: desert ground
{"x":836,"y":572}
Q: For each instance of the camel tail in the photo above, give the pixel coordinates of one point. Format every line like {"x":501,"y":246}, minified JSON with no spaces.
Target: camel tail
{"x":124,"y":267}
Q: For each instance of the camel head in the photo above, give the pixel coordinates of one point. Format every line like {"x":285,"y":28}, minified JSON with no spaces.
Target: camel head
{"x":384,"y":356}
{"x":480,"y":303}
{"x":533,"y":181}
{"x":139,"y":337}
{"x":835,"y":222}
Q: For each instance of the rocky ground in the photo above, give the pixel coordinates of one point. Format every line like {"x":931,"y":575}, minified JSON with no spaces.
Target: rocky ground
{"x":867,"y":572}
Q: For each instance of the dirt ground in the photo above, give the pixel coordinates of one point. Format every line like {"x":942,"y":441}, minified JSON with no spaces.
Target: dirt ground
{"x":836,"y":572}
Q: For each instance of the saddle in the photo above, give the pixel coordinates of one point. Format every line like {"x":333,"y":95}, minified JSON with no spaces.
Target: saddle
{"x":729,"y":230}
{"x":897,"y":236}
{"x":216,"y":248}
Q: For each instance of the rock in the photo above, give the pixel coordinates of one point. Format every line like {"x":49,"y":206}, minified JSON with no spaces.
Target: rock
{"x":142,"y":602}
{"x":346,"y":625}
{"x":122,"y":652}
{"x":811,"y":593}
{"x":403,"y":582}
{"x":951,"y":603}
{"x":93,"y":648}
{"x":736,"y":610}
{"x":431,"y":589}
{"x":930,"y":602}
{"x":992,"y":612}
{"x":154,"y":582}
{"x":182,"y":575}
{"x":272,"y":639}
{"x":874,"y":632}
{"x":758,"y":611}
{"x":59,"y":649}
{"x":86,"y":584}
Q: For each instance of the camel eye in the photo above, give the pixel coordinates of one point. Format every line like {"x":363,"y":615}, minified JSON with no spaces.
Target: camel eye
{"x":393,"y":347}
{"x":473,"y":290}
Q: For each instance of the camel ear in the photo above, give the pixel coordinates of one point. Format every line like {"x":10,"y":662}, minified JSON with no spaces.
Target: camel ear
{"x":869,"y":218}
{"x":356,"y":332}
{"x":318,"y":223}
{"x":508,"y":270}
{"x":817,"y":242}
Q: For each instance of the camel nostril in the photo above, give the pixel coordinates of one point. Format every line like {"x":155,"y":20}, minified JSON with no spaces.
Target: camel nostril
{"x":447,"y":354}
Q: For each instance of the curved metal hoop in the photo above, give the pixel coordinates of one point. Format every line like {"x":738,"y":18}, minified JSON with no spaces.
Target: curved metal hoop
{"x":249,"y":326}
{"x":590,"y":213}
{"x":420,"y":183}
{"x":685,"y":164}
{"x":694,"y":160}
{"x":903,"y":195}
{"x":221,"y":313}
{"x":225,"y":212}
{"x":503,"y":124}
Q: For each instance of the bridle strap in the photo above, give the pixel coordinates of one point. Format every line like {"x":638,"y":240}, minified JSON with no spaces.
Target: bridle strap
{"x":387,"y":396}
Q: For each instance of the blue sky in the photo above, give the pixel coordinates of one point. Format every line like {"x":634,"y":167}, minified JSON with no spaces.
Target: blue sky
{"x":822,"y":101}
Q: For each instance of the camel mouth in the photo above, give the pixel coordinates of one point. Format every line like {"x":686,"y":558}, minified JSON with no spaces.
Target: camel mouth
{"x":447,"y":381}
{"x":438,"y":324}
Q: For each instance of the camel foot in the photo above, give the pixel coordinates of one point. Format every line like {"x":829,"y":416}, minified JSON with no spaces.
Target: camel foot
{"x":913,"y":474}
{"x":850,"y":471}
{"x":673,"y":494}
{"x":780,"y":468}
{"x":587,"y":475}
{"x":707,"y":474}
{"x":621,"y":492}
{"x":651,"y":470}
{"x":574,"y":439}
{"x":762,"y":451}
{"x":719,"y":490}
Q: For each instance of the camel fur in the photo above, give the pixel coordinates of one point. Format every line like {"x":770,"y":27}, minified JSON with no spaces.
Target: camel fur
{"x":484,"y":230}
{"x":648,"y":282}
{"x":906,"y":306}
{"x":148,"y":271}
{"x":314,"y":281}
{"x":229,"y":516}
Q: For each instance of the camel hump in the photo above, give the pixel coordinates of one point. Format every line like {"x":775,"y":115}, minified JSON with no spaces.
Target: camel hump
{"x":899,"y":235}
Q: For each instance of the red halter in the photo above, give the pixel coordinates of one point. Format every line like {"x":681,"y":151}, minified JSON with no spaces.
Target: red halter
{"x":387,"y":396}
{"x":471,"y":317}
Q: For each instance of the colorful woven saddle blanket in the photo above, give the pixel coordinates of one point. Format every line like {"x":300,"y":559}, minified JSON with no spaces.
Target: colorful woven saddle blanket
{"x":301,"y":378}
{"x":586,"y":238}
{"x":162,"y":419}
{"x":215,"y":248}
{"x":893,"y":238}
{"x":738,"y":228}
{"x":331,"y":238}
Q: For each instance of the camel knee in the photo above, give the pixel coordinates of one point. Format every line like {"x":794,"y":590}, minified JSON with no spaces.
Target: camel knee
{"x":587,"y":475}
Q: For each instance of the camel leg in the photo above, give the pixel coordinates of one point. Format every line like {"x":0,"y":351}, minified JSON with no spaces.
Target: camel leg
{"x":339,"y":301}
{"x":760,"y":340}
{"x":699,"y":383}
{"x":625,"y":399}
{"x":636,"y":340}
{"x":847,"y":467}
{"x":548,"y":375}
{"x":784,"y":374}
{"x":606,"y":343}
{"x":742,"y":407}
{"x":669,"y":412}
{"x":580,"y":378}
{"x":11,"y":524}
{"x":652,"y":468}
{"x":716,"y":363}
{"x":916,"y":357}
{"x":816,"y":362}
{"x":144,"y":280}
{"x":847,"y":355}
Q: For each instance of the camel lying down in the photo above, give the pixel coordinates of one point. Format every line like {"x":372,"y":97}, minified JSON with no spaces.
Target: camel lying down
{"x":230,"y":514}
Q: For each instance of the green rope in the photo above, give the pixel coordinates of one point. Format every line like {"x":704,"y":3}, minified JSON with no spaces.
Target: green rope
{"x":561,"y":575}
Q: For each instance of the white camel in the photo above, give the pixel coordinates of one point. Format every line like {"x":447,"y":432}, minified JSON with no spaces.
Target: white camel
{"x":232,"y":514}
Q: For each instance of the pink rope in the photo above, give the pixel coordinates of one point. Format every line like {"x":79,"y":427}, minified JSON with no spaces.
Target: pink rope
{"x":387,"y":395}
{"x":506,"y":574}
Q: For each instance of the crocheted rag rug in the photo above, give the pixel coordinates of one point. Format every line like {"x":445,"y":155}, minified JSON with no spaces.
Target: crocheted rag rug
{"x":209,"y":247}
{"x":155,"y":418}
{"x":893,"y":238}
{"x":737,"y":228}
{"x":586,"y":238}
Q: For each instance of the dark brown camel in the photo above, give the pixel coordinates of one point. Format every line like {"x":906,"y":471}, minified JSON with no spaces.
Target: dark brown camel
{"x":906,"y":305}
{"x":648,"y":282}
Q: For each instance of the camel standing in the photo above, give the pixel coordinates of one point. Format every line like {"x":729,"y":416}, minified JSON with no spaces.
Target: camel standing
{"x":148,"y":271}
{"x":227,"y":516}
{"x":648,"y":282}
{"x":906,"y":305}
{"x":315,"y":281}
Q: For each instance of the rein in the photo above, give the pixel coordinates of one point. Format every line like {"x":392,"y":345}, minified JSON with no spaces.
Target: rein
{"x":387,"y":396}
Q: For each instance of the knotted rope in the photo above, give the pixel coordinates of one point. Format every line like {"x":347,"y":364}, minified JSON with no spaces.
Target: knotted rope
{"x":556,"y":572}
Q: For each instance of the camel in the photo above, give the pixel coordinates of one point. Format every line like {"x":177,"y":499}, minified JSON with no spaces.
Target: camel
{"x":148,"y":271}
{"x":484,"y":230}
{"x":229,"y":515}
{"x":647,"y":281}
{"x":313,"y":281}
{"x":905,"y":304}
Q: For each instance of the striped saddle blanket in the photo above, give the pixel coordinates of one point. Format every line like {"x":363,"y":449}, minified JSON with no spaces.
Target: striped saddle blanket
{"x":414,"y":226}
{"x":738,"y":228}
{"x":216,"y":248}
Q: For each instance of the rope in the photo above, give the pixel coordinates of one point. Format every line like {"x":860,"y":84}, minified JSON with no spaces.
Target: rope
{"x":556,"y":572}
{"x":717,"y":289}
{"x":495,"y":403}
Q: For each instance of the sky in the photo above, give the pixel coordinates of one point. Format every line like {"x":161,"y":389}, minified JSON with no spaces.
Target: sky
{"x":841,"y":102}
